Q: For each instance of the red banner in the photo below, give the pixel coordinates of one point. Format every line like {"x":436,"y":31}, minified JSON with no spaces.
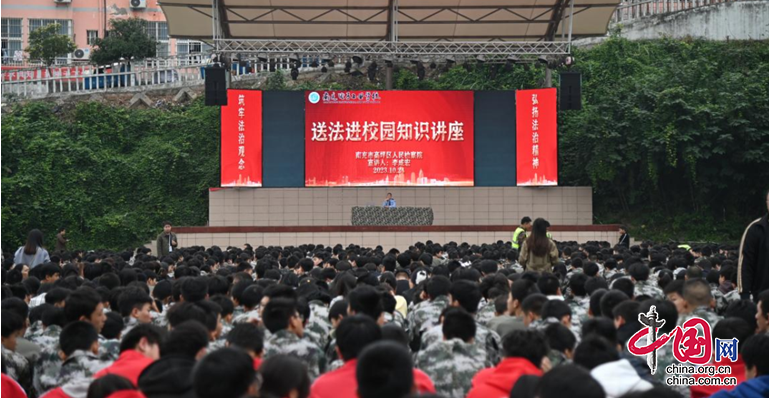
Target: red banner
{"x":399,"y":138}
{"x":241,"y":155}
{"x":536,"y":139}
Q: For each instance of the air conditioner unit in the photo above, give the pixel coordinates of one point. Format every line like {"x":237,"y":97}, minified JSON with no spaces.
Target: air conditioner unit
{"x":81,"y":54}
{"x":138,"y":3}
{"x":62,"y":1}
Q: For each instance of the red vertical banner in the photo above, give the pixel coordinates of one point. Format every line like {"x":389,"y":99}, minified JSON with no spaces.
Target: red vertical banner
{"x":536,"y":137}
{"x":241,"y":146}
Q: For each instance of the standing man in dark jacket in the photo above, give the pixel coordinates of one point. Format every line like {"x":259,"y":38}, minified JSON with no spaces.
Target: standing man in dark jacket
{"x":166,"y":241}
{"x":624,"y":237}
{"x":753,"y":265}
{"x":61,"y":240}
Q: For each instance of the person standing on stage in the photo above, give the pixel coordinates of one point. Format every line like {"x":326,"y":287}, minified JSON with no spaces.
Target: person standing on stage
{"x":166,"y":241}
{"x":753,"y":265}
{"x":389,"y":202}
{"x":624,"y":237}
{"x":520,"y":233}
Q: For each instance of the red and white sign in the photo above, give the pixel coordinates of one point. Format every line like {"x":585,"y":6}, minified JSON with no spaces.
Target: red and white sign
{"x":241,"y":154}
{"x":399,"y":138}
{"x":536,"y":138}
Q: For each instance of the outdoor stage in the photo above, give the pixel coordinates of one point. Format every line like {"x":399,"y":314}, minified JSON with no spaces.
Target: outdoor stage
{"x":294,"y":216}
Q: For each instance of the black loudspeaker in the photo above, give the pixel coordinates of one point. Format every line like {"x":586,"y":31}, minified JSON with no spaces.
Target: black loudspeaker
{"x":216,"y":86}
{"x":571,"y":91}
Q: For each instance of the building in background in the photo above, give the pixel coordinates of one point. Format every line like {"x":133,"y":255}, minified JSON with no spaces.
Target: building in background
{"x":83,"y":21}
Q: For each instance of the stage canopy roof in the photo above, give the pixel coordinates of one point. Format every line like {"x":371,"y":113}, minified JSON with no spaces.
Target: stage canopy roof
{"x":250,"y":25}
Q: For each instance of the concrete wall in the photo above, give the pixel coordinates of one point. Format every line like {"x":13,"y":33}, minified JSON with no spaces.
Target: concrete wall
{"x":739,"y":20}
{"x":451,"y":206}
{"x":400,"y":240}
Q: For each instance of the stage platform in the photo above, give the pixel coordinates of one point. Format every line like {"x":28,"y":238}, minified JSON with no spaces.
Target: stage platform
{"x":294,"y":216}
{"x":388,"y":237}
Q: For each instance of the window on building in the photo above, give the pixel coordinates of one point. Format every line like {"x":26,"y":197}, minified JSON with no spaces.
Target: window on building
{"x":11,"y":38}
{"x":65,"y":28}
{"x":91,"y":36}
{"x":159,"y":32}
{"x":192,"y":50}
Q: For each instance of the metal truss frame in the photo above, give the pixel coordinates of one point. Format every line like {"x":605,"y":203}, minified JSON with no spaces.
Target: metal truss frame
{"x":494,"y":51}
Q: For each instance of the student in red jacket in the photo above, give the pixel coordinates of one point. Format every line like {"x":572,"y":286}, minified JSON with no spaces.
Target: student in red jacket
{"x":138,"y":349}
{"x":352,"y":336}
{"x":524,"y":351}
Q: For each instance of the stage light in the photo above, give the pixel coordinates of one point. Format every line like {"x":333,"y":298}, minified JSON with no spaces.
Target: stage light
{"x":294,"y":57}
{"x":569,"y":61}
{"x":372,"y":69}
{"x":324,"y":69}
{"x":357,"y":59}
{"x":510,"y":61}
{"x":262,"y":57}
{"x":481,"y":59}
{"x":314,"y":63}
{"x":326,"y":59}
{"x":420,"y":71}
{"x":388,"y":60}
{"x":294,"y":73}
{"x":356,"y":73}
{"x":543,"y":59}
{"x":433,"y":65}
{"x":347,"y":66}
{"x":272,"y":66}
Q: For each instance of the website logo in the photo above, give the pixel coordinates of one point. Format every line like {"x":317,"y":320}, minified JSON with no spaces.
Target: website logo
{"x":350,"y":97}
{"x":314,"y":97}
{"x":689,"y":345}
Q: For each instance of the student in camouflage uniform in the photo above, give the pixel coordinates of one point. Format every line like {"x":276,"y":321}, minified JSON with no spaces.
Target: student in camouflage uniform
{"x":561,"y":341}
{"x":282,"y":319}
{"x":639,"y":273}
{"x":318,"y":325}
{"x":16,"y":366}
{"x":610,"y":269}
{"x":492,"y":286}
{"x":389,"y":303}
{"x":452,"y":362}
{"x":426,"y":315}
{"x":699,"y":303}
{"x":135,"y":305}
{"x":579,"y":303}
{"x":84,"y":304}
{"x":250,"y":308}
{"x":80,"y":344}
{"x":466,"y":294}
{"x":726,"y":292}
{"x":532,"y":310}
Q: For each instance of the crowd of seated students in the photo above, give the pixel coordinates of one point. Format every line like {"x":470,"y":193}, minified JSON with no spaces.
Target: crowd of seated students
{"x":436,"y":320}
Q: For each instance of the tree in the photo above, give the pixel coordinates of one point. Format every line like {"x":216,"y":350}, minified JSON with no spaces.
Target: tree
{"x":127,"y":38}
{"x":46,"y":44}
